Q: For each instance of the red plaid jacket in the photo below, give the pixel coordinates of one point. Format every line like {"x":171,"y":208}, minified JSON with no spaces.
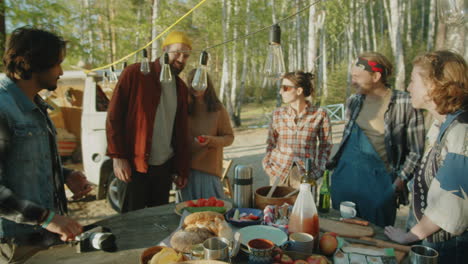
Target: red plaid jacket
{"x":289,"y":142}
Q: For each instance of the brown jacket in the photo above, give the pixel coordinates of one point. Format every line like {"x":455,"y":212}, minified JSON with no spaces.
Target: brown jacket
{"x":131,"y":115}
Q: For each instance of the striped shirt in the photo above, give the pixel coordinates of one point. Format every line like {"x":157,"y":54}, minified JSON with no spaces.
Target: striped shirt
{"x":293,"y":139}
{"x":404,"y":132}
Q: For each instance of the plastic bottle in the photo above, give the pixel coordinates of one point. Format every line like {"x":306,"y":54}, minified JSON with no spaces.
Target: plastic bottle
{"x":304,"y":216}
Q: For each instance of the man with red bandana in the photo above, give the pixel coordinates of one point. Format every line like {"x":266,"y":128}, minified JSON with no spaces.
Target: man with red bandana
{"x":382,"y":144}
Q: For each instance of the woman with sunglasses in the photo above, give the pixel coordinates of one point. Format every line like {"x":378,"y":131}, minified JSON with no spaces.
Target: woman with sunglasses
{"x":439,"y":84}
{"x":298,"y":131}
{"x":210,"y":131}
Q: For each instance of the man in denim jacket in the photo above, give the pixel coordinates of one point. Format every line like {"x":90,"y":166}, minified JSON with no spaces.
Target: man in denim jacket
{"x":32,"y":196}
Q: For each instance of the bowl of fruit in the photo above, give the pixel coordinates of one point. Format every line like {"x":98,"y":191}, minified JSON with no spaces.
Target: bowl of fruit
{"x":244,"y":216}
{"x":201,"y":205}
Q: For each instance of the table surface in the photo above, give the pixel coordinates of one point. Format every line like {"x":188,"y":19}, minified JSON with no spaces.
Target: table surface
{"x":135,"y":231}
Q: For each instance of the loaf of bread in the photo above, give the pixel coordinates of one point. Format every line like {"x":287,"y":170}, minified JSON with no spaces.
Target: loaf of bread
{"x":197,"y":228}
{"x":183,"y":240}
{"x":202,"y":217}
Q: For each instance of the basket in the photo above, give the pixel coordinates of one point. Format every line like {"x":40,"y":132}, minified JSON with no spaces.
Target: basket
{"x":277,"y":198}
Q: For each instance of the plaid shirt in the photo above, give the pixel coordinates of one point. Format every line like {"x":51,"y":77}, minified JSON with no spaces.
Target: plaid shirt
{"x":293,"y":142}
{"x":404,"y":133}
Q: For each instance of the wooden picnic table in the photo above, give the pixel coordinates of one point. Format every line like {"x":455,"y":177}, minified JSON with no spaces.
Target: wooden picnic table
{"x":135,"y":231}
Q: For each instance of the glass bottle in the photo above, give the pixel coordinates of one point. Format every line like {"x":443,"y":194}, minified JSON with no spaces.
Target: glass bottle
{"x":308,"y":178}
{"x":324,"y":198}
{"x":304,"y":216}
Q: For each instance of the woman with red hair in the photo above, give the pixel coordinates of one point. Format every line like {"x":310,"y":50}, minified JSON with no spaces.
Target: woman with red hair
{"x":439,"y":84}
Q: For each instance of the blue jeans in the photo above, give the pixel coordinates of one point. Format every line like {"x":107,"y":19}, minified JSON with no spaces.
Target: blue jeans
{"x":453,"y":251}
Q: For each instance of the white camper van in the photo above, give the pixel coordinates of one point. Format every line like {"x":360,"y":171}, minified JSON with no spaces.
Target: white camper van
{"x":97,"y":166}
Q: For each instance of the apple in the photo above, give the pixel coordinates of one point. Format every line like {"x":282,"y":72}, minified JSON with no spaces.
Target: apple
{"x":300,"y":261}
{"x":285,"y":259}
{"x":331,"y":234}
{"x":328,"y":244}
{"x":317,"y":260}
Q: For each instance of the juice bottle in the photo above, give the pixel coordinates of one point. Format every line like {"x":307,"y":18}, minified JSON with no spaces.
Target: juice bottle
{"x":304,"y":217}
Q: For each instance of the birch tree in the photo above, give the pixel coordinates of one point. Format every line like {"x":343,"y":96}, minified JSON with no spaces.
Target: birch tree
{"x":431,"y":26}
{"x":154,"y":29}
{"x":225,"y":75}
{"x":233,"y":96}
{"x":393,"y":15}
{"x":239,"y":102}
{"x":312,"y":46}
{"x":299,"y":52}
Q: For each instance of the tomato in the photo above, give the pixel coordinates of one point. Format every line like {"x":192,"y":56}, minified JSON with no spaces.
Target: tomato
{"x":201,"y":202}
{"x":211,"y":202}
{"x":190,"y":204}
{"x":253,"y":217}
{"x":219,"y":203}
{"x":201,"y":139}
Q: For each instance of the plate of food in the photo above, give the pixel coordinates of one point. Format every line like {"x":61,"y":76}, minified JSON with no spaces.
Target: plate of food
{"x":273,"y":234}
{"x":161,"y":255}
{"x":201,"y":205}
{"x":242,"y":217}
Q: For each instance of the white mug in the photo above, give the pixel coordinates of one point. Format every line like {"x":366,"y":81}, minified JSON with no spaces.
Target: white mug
{"x":348,"y":209}
{"x":301,"y":242}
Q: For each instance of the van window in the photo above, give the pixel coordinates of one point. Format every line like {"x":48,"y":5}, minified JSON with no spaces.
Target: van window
{"x":102,"y":102}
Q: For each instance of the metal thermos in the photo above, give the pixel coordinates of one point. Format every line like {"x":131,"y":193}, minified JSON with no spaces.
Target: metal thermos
{"x":243,"y":186}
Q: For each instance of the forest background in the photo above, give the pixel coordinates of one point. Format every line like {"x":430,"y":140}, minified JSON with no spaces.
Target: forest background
{"x":324,"y":37}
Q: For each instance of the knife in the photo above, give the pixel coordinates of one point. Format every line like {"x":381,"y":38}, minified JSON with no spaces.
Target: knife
{"x":378,"y":243}
{"x":350,"y":221}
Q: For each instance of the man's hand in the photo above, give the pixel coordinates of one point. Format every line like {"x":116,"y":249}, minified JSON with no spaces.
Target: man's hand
{"x":399,"y":235}
{"x":66,"y":227}
{"x":180,"y":182}
{"x":122,"y":170}
{"x":78,"y":184}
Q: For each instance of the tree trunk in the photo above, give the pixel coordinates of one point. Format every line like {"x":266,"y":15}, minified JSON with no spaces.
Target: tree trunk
{"x":240,"y":100}
{"x":154,"y":30}
{"x":409,"y":30}
{"x":312,"y":47}
{"x":89,"y":35}
{"x":111,"y":30}
{"x":396,"y":41}
{"x":350,"y":34}
{"x":323,"y":48}
{"x":299,"y":53}
{"x":372,"y":19}
{"x":233,"y":96}
{"x":431,"y":27}
{"x":368,"y":45}
{"x":225,"y":76}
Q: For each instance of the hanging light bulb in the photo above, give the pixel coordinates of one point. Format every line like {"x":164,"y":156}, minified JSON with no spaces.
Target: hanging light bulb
{"x":105,"y":82}
{"x":166,"y":75}
{"x":144,"y":66}
{"x":113,"y":76}
{"x":274,"y":66}
{"x":452,"y":12}
{"x":200,"y":80}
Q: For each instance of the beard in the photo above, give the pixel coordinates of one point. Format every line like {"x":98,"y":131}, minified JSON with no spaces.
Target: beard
{"x":47,"y":84}
{"x":175,"y":69}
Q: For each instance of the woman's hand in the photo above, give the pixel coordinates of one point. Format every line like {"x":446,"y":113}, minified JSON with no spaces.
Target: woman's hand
{"x":203,"y":140}
{"x":400,"y":236}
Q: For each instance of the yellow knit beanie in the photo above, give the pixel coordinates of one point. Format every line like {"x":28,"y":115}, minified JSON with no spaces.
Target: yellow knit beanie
{"x":177,"y":37}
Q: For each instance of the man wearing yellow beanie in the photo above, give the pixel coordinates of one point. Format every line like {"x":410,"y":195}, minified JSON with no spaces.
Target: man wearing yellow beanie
{"x":147,"y":130}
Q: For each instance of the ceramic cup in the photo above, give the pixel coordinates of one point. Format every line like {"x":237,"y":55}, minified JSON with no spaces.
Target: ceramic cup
{"x":423,"y":255}
{"x":216,"y":248}
{"x":260,"y":251}
{"x":300,"y":242}
{"x":348,"y":209}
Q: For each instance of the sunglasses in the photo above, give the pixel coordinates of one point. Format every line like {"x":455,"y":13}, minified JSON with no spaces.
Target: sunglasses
{"x":287,"y":88}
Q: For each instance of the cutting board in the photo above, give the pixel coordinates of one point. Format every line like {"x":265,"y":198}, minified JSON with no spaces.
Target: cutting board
{"x":345,"y":229}
{"x":399,"y":255}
